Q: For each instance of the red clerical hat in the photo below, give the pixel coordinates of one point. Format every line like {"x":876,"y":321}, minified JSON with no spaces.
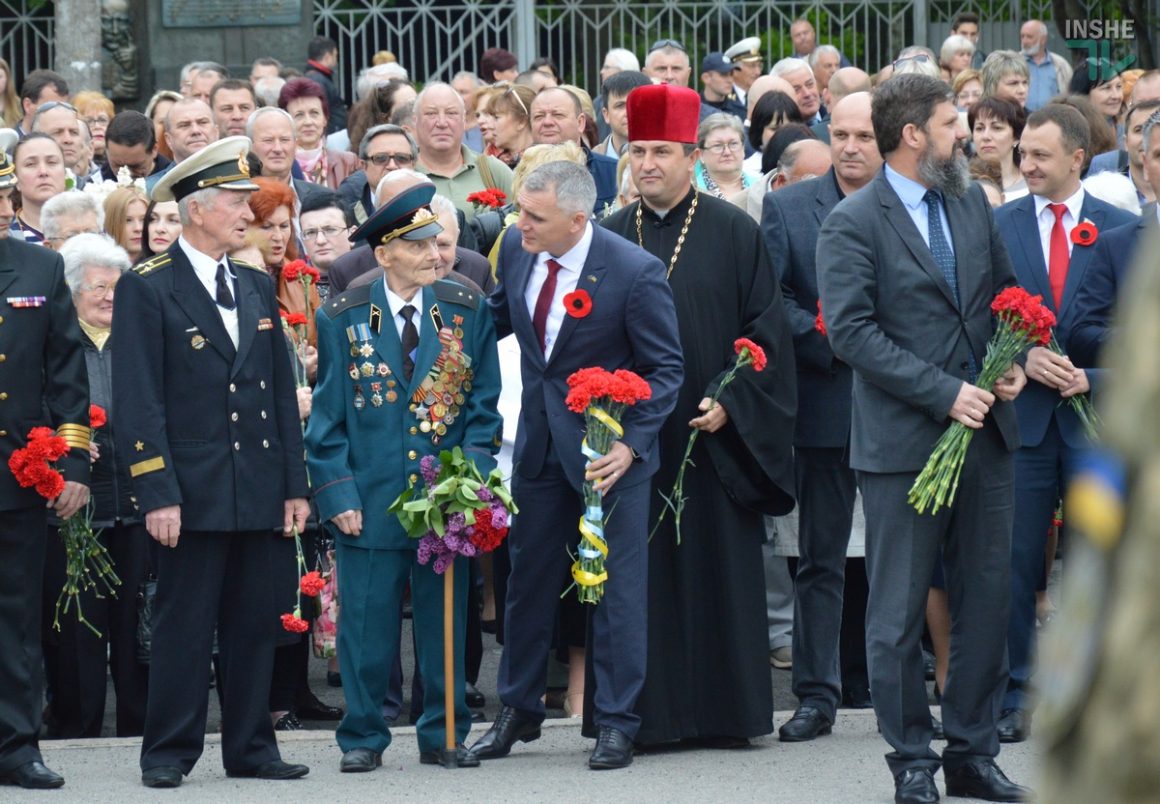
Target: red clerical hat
{"x":663,"y":112}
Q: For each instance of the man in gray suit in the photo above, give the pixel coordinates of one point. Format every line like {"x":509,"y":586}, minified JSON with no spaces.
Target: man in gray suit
{"x":825,"y":481}
{"x":907,"y":269}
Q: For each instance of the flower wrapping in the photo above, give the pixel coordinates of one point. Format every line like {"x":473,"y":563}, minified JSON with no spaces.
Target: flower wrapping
{"x":455,"y":511}
{"x":602,"y":396}
{"x":1021,"y":322}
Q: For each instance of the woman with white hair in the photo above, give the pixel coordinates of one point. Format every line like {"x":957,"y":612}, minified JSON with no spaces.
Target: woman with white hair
{"x":955,"y":55}
{"x":719,"y":171}
{"x":75,"y":658}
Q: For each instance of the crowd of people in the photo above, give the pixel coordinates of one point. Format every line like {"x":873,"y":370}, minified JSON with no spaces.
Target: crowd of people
{"x":855,"y":227}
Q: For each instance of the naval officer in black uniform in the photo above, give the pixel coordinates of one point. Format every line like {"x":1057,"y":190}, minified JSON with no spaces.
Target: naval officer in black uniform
{"x":42,"y":383}
{"x":204,"y":404}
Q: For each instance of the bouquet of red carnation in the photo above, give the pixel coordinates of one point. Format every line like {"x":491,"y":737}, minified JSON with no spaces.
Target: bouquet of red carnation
{"x":87,"y":562}
{"x":295,"y":325}
{"x":602,"y":396}
{"x":1023,"y":322}
{"x":310,"y":584}
{"x":748,"y":354}
{"x":456,"y":512}
{"x":819,"y":322}
{"x":491,"y":198}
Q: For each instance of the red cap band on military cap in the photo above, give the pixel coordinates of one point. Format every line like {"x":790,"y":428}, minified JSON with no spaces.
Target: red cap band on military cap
{"x":663,"y":112}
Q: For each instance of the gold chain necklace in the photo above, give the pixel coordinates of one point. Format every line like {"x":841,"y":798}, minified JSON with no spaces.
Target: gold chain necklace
{"x":680,"y":238}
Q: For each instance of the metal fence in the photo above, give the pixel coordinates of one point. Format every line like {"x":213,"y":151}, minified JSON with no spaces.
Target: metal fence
{"x":26,"y":29}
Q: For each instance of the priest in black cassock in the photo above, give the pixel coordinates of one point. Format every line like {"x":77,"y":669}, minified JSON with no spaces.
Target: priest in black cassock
{"x":708,"y":667}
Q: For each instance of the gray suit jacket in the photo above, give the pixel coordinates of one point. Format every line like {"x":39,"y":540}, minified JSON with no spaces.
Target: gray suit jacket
{"x":891,"y":315}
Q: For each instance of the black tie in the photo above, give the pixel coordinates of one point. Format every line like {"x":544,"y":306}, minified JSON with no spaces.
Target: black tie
{"x":410,"y":341}
{"x":225,"y":296}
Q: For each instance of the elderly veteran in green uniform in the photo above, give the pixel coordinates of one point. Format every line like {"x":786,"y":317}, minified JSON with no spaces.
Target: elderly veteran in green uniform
{"x":383,"y":401}
{"x":43,"y":383}
{"x":204,"y":405}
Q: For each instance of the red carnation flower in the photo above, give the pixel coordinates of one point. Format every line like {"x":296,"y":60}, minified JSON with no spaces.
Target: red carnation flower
{"x":630,"y":387}
{"x":756,"y":354}
{"x":578,"y":303}
{"x":312,"y":583}
{"x":291,"y":270}
{"x":97,"y":417}
{"x":819,"y":322}
{"x":295,"y":624}
{"x":294,"y":319}
{"x":483,"y":534}
{"x":1085,"y":234}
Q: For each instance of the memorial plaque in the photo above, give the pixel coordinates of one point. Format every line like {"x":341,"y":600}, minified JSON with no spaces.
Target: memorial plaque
{"x":229,"y":13}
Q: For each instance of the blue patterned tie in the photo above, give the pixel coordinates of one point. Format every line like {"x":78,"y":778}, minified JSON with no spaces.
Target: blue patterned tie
{"x":945,"y":259}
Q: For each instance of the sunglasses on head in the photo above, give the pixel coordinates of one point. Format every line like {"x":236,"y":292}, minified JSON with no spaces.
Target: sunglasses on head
{"x":663,"y":43}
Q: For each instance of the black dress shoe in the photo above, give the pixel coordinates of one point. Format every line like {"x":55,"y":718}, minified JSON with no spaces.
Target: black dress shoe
{"x":275,"y":770}
{"x":915,"y":786}
{"x":937,"y":729}
{"x":333,"y":679}
{"x":1014,"y":725}
{"x":310,"y":708}
{"x":509,"y":727}
{"x":613,"y":750}
{"x":463,"y":757}
{"x":984,"y":780}
{"x":474,"y":698}
{"x":360,"y":760}
{"x":288,"y":722}
{"x":806,"y":724}
{"x":857,"y":698}
{"x":33,"y":776}
{"x":162,"y":777}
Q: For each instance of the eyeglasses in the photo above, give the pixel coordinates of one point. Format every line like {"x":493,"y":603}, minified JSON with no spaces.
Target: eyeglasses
{"x":99,"y":289}
{"x":721,"y":147}
{"x":921,"y":58}
{"x":663,"y":43}
{"x":329,"y":232}
{"x":402,"y":160}
{"x":99,"y":120}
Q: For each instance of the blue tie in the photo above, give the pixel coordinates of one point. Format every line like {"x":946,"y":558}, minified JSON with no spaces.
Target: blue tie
{"x":945,"y":259}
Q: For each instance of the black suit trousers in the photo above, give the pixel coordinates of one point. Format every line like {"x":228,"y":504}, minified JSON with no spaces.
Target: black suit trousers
{"x":209,"y":579}
{"x":22,"y":544}
{"x":973,"y":538}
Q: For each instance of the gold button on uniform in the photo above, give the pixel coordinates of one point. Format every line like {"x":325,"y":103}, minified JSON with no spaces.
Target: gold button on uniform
{"x":3,"y":358}
{"x":414,"y":430}
{"x":412,"y":455}
{"x":3,"y":395}
{"x":3,"y":433}
{"x":413,"y":477}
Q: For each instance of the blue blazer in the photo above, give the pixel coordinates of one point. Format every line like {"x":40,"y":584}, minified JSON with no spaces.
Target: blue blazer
{"x":632,"y":325}
{"x":790,"y":221}
{"x":363,"y":455}
{"x":1096,"y":300}
{"x":1037,"y":404}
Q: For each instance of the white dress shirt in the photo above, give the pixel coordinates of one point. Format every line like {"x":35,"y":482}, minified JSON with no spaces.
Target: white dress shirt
{"x":396,"y":304}
{"x":206,"y":267}
{"x":1045,"y":218}
{"x":571,"y":266}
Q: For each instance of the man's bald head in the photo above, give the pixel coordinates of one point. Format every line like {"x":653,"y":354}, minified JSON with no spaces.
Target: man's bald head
{"x":804,"y":159}
{"x":845,"y":82}
{"x":396,"y":181}
{"x":763,"y":85}
{"x":1147,"y":88}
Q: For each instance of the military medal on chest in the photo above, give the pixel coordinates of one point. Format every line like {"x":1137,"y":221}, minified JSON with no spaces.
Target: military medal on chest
{"x":436,"y":402}
{"x":361,"y":366}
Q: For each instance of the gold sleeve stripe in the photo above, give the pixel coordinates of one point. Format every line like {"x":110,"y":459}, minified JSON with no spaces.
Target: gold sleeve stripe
{"x":145,"y":467}
{"x":77,"y":436}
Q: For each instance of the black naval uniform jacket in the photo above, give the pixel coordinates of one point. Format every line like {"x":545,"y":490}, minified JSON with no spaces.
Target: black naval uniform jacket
{"x":43,"y":382}
{"x":200,"y":424}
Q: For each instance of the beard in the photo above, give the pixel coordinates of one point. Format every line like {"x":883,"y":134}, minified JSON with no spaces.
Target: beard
{"x":951,"y":176}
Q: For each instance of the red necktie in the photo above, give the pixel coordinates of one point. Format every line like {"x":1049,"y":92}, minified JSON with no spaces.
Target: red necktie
{"x":1059,"y":256}
{"x":543,"y":302}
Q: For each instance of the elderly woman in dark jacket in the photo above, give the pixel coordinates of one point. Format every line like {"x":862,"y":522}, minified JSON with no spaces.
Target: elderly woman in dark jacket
{"x":75,"y":657}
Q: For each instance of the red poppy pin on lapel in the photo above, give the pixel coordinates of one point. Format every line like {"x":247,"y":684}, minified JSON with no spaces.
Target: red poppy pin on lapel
{"x":578,"y":303}
{"x":1085,"y":234}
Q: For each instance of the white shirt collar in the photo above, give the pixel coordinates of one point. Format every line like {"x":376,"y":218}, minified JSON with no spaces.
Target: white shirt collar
{"x":397,"y":302}
{"x":574,"y":258}
{"x":203,"y":264}
{"x":1074,"y":204}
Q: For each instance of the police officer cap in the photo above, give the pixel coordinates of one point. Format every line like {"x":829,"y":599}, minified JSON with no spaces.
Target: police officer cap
{"x":748,"y":49}
{"x":716,"y":63}
{"x":406,"y":215}
{"x":8,"y":140}
{"x":220,"y":165}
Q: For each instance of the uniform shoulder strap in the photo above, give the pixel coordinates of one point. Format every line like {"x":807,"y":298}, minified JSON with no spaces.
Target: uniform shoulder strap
{"x":351,"y":297}
{"x":152,"y":264}
{"x":448,"y":291}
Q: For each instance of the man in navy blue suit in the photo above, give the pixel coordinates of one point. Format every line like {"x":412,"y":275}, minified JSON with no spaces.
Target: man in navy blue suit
{"x":1112,"y":256}
{"x":1038,"y":232}
{"x":632,"y":325}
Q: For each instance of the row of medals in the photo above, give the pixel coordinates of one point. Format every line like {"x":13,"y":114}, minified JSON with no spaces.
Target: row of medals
{"x":366,"y":370}
{"x":437,"y":400}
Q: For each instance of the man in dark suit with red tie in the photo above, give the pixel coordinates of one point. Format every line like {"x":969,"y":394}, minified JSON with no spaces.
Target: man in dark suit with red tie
{"x":204,"y":405}
{"x":1050,"y":259}
{"x":632,"y":325}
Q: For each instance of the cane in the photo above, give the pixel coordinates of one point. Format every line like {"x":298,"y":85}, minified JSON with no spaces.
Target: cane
{"x":450,"y":757}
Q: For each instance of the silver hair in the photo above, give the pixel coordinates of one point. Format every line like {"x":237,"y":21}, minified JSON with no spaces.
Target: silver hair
{"x":51,"y":106}
{"x":395,"y":175}
{"x":264,"y":110}
{"x":442,"y":205}
{"x":475,"y":82}
{"x":90,"y":250}
{"x":719,"y":120}
{"x":1153,"y":121}
{"x":667,"y":50}
{"x":204,"y":198}
{"x":386,"y":128}
{"x":266,"y":90}
{"x":575,"y":190}
{"x":789,"y":66}
{"x":72,"y":203}
{"x":823,"y":50}
{"x":624,"y":59}
{"x":377,"y":76}
{"x":954,"y":45}
{"x":435,"y":85}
